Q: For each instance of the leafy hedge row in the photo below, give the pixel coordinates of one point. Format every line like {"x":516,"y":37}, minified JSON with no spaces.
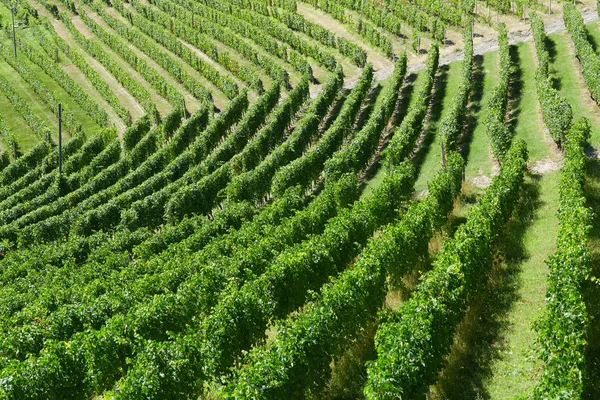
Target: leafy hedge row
{"x":563,"y":325}
{"x":304,"y":170}
{"x":77,"y":93}
{"x":97,"y":360}
{"x":585,"y":52}
{"x":210,"y":153}
{"x":148,"y":181}
{"x":49,"y":189}
{"x":299,"y":356}
{"x":495,"y":126}
{"x":95,"y":50}
{"x":285,"y":283}
{"x":452,"y":124}
{"x":74,"y":152}
{"x":412,"y":344}
{"x":363,"y":146}
{"x":254,"y":184}
{"x":199,"y":32}
{"x":53,"y":220}
{"x":221,"y":137}
{"x":557,"y":113}
{"x":201,"y":196}
{"x":297,"y":22}
{"x":53,"y":45}
{"x":144,"y":23}
{"x":403,"y":140}
{"x":19,"y":65}
{"x":153,"y":77}
{"x":23,"y":164}
{"x":148,"y":41}
{"x":273,"y":28}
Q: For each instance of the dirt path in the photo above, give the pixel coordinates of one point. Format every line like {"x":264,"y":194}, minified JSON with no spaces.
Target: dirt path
{"x":519,"y":31}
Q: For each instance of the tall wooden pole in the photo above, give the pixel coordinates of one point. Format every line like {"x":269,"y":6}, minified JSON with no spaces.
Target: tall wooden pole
{"x":59,"y":139}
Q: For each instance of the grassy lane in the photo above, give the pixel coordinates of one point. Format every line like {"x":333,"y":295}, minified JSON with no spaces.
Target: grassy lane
{"x":380,"y":170}
{"x":493,"y":353}
{"x":567,"y":69}
{"x":478,"y":158}
{"x":529,"y":124}
{"x":432,"y":154}
{"x":492,"y":357}
{"x":24,"y":136}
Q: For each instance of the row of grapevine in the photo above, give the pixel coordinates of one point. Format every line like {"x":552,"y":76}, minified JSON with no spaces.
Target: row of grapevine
{"x":496,"y":128}
{"x":20,"y":66}
{"x":446,"y":12}
{"x":197,"y":31}
{"x":563,"y":326}
{"x":48,"y":164}
{"x":405,"y":136}
{"x":100,"y":343}
{"x":37,"y":125}
{"x":285,"y":283}
{"x":215,"y":146}
{"x":161,"y":378}
{"x":222,"y":11}
{"x":210,"y":154}
{"x":175,"y":68}
{"x":304,"y":170}
{"x":247,"y":29}
{"x":155,"y":79}
{"x":299,"y":357}
{"x":452,"y":124}
{"x":201,"y":14}
{"x":585,"y":52}
{"x":199,"y":197}
{"x":51,"y":187}
{"x":298,"y":23}
{"x":108,"y":214}
{"x":171,"y":42}
{"x":254,"y":184}
{"x":23,"y":164}
{"x":51,"y":46}
{"x":58,"y":219}
{"x":557,"y":113}
{"x":96,"y":51}
{"x":363,"y":146}
{"x":66,"y":82}
{"x":411,"y":344}
{"x":37,"y":225}
{"x":134,"y":34}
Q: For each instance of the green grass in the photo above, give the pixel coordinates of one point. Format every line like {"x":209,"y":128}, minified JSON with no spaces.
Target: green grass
{"x":380,"y":170}
{"x":516,"y":371}
{"x":24,"y":136}
{"x":529,"y":124}
{"x":566,"y":68}
{"x":432,"y":161}
{"x":479,"y":159}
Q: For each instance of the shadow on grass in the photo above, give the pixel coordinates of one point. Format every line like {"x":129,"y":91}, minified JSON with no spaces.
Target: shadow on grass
{"x":401,"y":109}
{"x":435,"y":114}
{"x":474,"y":107}
{"x":476,"y":345}
{"x":591,"y":288}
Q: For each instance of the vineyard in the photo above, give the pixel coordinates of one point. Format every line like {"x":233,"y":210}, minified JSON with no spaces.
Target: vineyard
{"x":316,"y":199}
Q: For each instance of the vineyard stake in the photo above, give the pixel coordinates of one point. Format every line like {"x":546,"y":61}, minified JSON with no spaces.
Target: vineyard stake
{"x":59,"y":139}
{"x":12,"y":9}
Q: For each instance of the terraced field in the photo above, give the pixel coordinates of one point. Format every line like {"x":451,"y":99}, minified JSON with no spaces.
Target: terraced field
{"x":273,"y":199}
